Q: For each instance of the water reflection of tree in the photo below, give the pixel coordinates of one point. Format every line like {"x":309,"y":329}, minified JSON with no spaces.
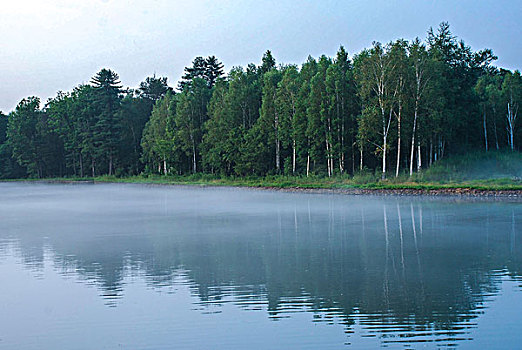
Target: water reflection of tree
{"x":422,"y":265}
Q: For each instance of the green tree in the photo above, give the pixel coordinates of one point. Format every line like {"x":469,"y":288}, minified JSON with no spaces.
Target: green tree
{"x":287,"y":95}
{"x":304,"y":135}
{"x":375,"y":71}
{"x":63,"y":120}
{"x":269,"y":122}
{"x":223,"y":130}
{"x":8,"y":167}
{"x":32,"y":143}
{"x":133,"y":114}
{"x":107,"y":98}
{"x":213,"y":70}
{"x":319,"y":128}
{"x":400,"y":79}
{"x":191,"y":114}
{"x":512,"y":94}
{"x":233,"y":108}
{"x":458,"y":69}
{"x":209,"y":69}
{"x":159,"y":150}
{"x":419,"y":85}
{"x":343,"y":108}
{"x":268,"y":62}
{"x":152,"y":89}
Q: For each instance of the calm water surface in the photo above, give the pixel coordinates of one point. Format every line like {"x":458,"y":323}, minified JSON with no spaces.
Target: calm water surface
{"x":153,"y":267}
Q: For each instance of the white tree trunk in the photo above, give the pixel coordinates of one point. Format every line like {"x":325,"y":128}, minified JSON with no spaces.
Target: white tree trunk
{"x":412,"y":151}
{"x":308,"y":164}
{"x":398,"y":144}
{"x":511,"y":119}
{"x":293,"y":157}
{"x":419,"y":161}
{"x":384,"y":150}
{"x":361,"y":160}
{"x":194,"y":164}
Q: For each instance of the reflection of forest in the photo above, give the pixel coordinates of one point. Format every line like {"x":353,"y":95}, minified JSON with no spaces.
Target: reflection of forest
{"x":421,"y":265}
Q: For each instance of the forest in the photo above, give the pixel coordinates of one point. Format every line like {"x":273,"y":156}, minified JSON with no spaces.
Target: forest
{"x":392,"y":109}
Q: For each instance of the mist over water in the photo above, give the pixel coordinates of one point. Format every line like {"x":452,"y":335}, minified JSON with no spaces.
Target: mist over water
{"x":153,"y":267}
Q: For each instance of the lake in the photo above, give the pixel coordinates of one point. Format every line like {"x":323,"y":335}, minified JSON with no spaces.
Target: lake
{"x":121,"y":266}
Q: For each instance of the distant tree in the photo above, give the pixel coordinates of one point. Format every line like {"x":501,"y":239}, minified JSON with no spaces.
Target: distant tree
{"x":512,"y":94}
{"x":319,"y":122}
{"x":9,"y":168}
{"x":270,"y":119}
{"x":22,"y":133}
{"x":489,"y":90}
{"x":286,"y":105}
{"x":63,"y":120}
{"x":209,"y":69}
{"x":107,"y":83}
{"x":458,"y":68}
{"x":304,"y":136}
{"x":158,"y":136}
{"x":367,"y":132}
{"x":400,"y":78}
{"x":213,"y":70}
{"x":7,"y":164}
{"x":107,"y":98}
{"x":343,"y":107}
{"x":233,"y":109}
{"x":191,"y":114}
{"x":32,"y":144}
{"x":220,"y":144}
{"x":152,"y":89}
{"x":375,"y":70}
{"x":133,"y":114}
{"x":268,"y":62}
{"x":3,"y":128}
{"x":243,"y":101}
{"x":418,"y":86}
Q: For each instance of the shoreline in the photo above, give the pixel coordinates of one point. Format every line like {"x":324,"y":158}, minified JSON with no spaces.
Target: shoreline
{"x":396,"y":190}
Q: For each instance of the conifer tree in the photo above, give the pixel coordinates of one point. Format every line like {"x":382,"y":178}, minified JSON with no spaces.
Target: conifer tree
{"x":152,"y":89}
{"x":107,"y":97}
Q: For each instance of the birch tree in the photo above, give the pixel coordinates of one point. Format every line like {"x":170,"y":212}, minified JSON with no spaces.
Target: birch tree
{"x":286,"y":104}
{"x":399,"y":77}
{"x":191,"y":114}
{"x":320,"y":127}
{"x":308,"y":71}
{"x":341,"y":93}
{"x":270,"y":115}
{"x":419,"y":62}
{"x":512,"y":91}
{"x":374,"y":71}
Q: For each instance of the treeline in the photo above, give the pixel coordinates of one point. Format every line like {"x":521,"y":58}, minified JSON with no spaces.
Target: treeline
{"x":393,"y":108}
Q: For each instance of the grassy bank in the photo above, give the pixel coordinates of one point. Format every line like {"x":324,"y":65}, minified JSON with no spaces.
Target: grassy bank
{"x":492,"y":171}
{"x":289,"y":182}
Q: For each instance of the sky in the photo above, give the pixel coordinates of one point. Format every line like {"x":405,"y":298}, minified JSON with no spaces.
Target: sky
{"x":52,"y":45}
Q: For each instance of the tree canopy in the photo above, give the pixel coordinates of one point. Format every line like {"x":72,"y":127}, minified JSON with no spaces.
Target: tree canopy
{"x":393,"y":108}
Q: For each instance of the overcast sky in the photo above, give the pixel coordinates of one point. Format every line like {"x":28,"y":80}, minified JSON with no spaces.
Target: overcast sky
{"x":51,"y":45}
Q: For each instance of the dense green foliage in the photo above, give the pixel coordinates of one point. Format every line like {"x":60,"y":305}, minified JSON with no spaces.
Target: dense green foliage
{"x":391,"y":111}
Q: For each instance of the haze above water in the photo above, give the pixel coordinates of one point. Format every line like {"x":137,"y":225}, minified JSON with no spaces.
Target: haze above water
{"x":155,"y":267}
